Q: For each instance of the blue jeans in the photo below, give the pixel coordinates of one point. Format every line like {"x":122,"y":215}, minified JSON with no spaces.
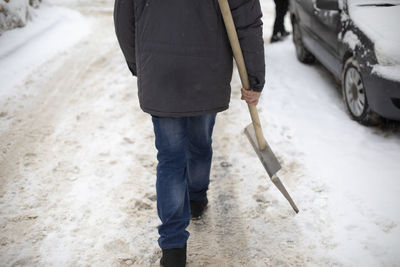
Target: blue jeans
{"x":183,"y":172}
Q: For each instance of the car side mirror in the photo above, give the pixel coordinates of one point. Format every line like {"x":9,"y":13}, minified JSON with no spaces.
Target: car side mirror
{"x":328,"y":4}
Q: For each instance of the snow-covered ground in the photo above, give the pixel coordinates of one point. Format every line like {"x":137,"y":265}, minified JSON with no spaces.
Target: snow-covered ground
{"x":52,"y":30}
{"x":77,"y":166}
{"x":353,"y":170}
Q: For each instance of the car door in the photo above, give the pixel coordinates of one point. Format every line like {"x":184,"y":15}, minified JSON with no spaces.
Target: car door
{"x":326,"y":28}
{"x":305,"y":16}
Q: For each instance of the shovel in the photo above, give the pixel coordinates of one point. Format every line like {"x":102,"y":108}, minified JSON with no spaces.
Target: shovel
{"x":253,"y":131}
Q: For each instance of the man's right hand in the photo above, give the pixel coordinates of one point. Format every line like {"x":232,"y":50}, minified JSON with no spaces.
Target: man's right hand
{"x":250,"y":96}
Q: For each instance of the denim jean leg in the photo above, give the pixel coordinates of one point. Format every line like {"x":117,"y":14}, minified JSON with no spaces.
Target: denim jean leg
{"x":199,"y":154}
{"x":171,"y":185}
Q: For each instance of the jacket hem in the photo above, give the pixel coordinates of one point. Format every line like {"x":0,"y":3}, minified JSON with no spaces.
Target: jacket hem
{"x":183,"y":113}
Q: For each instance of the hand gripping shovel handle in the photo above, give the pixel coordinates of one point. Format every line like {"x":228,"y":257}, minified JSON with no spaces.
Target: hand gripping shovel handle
{"x":237,"y":53}
{"x":263,"y":151}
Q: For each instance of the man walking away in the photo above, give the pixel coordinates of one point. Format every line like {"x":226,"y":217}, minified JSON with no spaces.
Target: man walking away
{"x":180,"y":53}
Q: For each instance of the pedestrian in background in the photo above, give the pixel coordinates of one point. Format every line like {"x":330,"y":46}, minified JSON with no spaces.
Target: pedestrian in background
{"x":279,"y":32}
{"x":180,"y":53}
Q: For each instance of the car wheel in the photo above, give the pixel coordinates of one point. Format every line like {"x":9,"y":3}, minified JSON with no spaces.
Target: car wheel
{"x":302,"y":53}
{"x":354,"y":94}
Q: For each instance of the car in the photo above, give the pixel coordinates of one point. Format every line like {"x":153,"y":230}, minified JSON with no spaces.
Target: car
{"x":358,"y":41}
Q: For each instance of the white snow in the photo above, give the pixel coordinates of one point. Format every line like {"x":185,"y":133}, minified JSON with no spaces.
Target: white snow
{"x":380,"y":24}
{"x":357,"y":166}
{"x":14,"y":14}
{"x":77,"y":165}
{"x":388,"y":72}
{"x":351,"y":39}
{"x":51,"y":31}
{"x":371,"y":2}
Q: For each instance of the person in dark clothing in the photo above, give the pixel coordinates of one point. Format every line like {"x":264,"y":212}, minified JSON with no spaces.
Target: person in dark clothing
{"x":281,"y":8}
{"x":180,"y":53}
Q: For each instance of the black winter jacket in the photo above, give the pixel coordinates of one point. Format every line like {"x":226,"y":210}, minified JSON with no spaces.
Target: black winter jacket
{"x":179,"y":51}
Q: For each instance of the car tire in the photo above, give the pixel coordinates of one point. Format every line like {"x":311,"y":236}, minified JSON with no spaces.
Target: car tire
{"x":303,"y":55}
{"x":354,"y":94}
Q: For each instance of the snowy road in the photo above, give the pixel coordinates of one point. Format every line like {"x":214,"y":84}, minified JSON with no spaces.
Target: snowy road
{"x":77,"y":169}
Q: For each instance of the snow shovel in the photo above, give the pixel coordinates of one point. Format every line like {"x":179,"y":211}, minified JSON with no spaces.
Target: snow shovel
{"x":253,"y":131}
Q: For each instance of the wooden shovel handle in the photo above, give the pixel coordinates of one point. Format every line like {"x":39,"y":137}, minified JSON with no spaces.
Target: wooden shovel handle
{"x":238,"y":55}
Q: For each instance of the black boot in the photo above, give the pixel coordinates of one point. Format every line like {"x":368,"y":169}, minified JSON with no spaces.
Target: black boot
{"x":197,"y":208}
{"x":174,"y":257}
{"x":284,"y":33}
{"x":275,"y":38}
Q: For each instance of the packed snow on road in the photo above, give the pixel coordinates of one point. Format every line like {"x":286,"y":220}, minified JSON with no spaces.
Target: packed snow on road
{"x":77,"y":166}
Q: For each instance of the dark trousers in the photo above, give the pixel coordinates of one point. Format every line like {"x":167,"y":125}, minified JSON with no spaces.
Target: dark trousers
{"x":183,"y":172}
{"x":281,"y":8}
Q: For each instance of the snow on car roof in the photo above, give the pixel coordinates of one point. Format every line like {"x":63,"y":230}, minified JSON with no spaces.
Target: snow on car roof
{"x":373,"y":2}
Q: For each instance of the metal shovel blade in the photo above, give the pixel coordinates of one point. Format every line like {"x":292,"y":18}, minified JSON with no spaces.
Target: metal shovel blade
{"x":277,"y":182}
{"x":266,"y":156}
{"x":270,"y":163}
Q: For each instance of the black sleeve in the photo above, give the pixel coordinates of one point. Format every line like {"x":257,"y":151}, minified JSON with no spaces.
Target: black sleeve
{"x":124,"y":22}
{"x":247,"y":17}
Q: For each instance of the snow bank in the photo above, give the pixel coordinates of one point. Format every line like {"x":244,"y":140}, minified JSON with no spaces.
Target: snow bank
{"x":23,"y":49}
{"x":16,"y":13}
